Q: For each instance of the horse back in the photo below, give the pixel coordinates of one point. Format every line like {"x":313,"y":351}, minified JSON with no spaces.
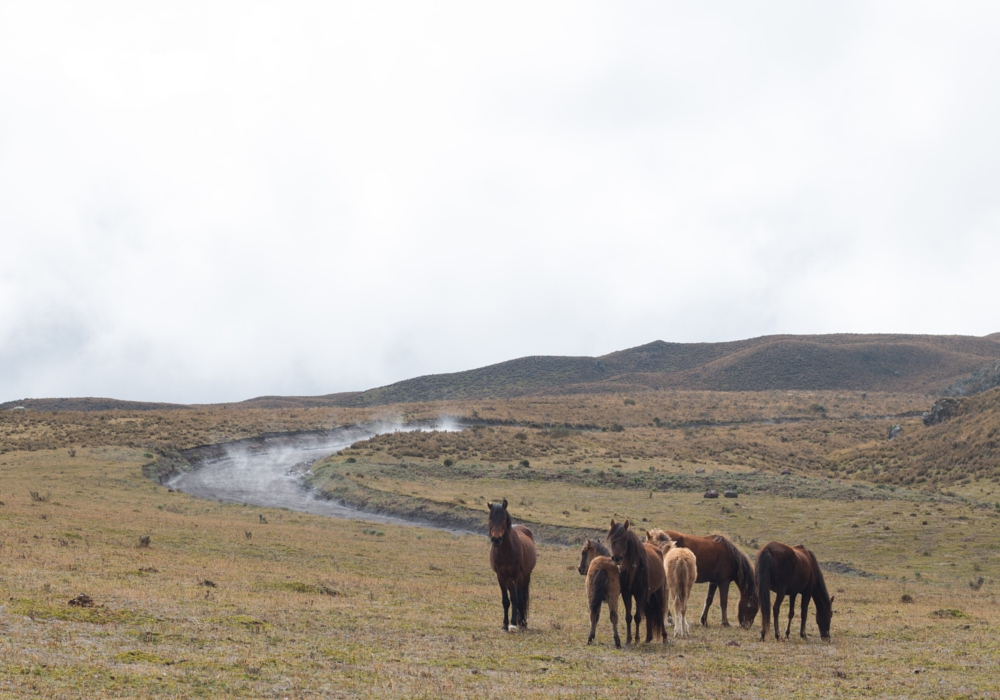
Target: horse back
{"x":654,"y":563}
{"x":528,"y":554}
{"x":711,"y":555}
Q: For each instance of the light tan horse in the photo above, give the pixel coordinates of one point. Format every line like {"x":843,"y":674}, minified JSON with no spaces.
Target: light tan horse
{"x":602,"y":585}
{"x":681,"y":569}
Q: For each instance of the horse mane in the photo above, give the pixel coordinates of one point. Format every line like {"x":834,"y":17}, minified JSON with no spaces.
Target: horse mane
{"x":633,"y":545}
{"x":599,"y":546}
{"x":821,"y":593}
{"x":661,"y":540}
{"x":497,"y":508}
{"x":744,"y":567}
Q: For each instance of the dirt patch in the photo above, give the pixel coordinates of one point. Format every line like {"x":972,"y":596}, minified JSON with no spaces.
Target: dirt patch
{"x":839,"y":567}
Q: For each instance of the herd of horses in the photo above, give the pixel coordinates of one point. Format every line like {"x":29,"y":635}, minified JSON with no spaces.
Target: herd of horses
{"x":657,"y":576}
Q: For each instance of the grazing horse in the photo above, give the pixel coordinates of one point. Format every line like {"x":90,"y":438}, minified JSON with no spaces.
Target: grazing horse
{"x":719,"y":563}
{"x":681,"y":567}
{"x":641,"y":578}
{"x":603,"y":585}
{"x":791,"y":571}
{"x":512,"y":557}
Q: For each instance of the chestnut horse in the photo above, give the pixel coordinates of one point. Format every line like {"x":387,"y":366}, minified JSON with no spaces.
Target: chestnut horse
{"x":512,"y":557}
{"x":602,"y":585}
{"x":641,"y":578}
{"x":719,"y":562}
{"x":791,"y":571}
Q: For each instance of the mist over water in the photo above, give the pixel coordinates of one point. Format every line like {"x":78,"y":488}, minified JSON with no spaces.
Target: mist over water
{"x":274,"y":477}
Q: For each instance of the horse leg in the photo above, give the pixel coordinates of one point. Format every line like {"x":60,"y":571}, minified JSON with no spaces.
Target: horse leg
{"x":791,"y":613}
{"x":708,"y":603}
{"x":522,"y":597}
{"x":506,"y":608}
{"x":805,"y":611}
{"x":778,"y":600}
{"x":724,"y":602}
{"x":515,"y":604}
{"x":595,"y":617}
{"x":613,"y":614}
{"x":628,"y":618}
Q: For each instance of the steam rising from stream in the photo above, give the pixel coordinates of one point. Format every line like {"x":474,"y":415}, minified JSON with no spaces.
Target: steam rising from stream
{"x":274,"y":475}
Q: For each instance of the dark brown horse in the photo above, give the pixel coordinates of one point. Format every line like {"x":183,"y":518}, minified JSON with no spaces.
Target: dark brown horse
{"x":720,"y":562}
{"x":641,"y":578}
{"x":791,"y":571}
{"x":512,"y":557}
{"x":602,"y":585}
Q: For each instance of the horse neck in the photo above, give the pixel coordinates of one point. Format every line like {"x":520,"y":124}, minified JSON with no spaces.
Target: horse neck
{"x":510,"y":543}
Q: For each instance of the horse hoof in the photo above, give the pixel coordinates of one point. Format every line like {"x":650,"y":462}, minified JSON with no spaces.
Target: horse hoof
{"x":512,"y":628}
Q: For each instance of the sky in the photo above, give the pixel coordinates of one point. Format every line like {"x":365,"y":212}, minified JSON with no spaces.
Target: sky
{"x":214,"y":200}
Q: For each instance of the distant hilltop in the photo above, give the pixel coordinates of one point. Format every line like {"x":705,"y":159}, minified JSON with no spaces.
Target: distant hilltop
{"x":898,"y":363}
{"x":903,"y":363}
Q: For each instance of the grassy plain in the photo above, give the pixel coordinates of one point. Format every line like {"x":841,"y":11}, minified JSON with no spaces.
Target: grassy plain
{"x":222,"y":604}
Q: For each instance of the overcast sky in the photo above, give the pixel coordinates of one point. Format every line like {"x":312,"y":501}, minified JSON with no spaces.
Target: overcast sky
{"x":208,"y":201}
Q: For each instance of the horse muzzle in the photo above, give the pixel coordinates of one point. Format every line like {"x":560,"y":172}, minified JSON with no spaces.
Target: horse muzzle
{"x":617,"y":560}
{"x":497,"y":541}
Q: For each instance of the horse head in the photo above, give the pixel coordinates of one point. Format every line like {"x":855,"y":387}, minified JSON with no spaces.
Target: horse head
{"x":618,"y":537}
{"x":748,"y":607}
{"x":824,"y":615}
{"x":499,"y":522}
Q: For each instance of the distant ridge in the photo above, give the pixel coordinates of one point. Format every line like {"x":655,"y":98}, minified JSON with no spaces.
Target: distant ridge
{"x":903,"y":363}
{"x":908,"y":363}
{"x":88,"y":403}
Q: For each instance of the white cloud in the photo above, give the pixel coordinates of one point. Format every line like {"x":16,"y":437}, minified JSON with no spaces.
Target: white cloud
{"x":214,"y":200}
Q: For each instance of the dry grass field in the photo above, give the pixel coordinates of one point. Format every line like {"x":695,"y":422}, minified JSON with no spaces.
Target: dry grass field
{"x":220,"y":603}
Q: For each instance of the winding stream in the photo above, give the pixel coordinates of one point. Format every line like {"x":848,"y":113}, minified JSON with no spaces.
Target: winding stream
{"x":272,"y":473}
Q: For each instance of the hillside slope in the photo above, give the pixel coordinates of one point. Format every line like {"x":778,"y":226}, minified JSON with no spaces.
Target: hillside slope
{"x":905,"y":363}
{"x":959,"y":450}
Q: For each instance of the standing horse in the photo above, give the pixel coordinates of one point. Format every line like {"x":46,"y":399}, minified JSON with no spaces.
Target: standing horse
{"x":720,"y":562}
{"x":512,"y":557}
{"x":682,"y":569}
{"x":641,"y":578}
{"x":791,"y":571}
{"x":603,"y":585}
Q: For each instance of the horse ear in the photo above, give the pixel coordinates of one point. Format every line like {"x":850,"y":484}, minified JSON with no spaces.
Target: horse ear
{"x":505,"y":504}
{"x":831,"y":599}
{"x":626,"y":524}
{"x":490,"y":505}
{"x":612,"y":522}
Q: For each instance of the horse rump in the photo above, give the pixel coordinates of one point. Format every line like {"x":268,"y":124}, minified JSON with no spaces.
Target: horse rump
{"x":603,"y":587}
{"x":681,"y":568}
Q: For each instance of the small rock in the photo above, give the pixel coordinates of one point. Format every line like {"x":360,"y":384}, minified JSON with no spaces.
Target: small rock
{"x":730,"y":494}
{"x":786,"y":472}
{"x":839,"y":674}
{"x":82,"y":601}
{"x":895,"y":431}
{"x":711,"y":493}
{"x":732,"y":643}
{"x":699,"y":470}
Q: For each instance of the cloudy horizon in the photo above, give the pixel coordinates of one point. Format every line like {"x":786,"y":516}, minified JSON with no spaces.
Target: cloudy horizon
{"x":206,"y":202}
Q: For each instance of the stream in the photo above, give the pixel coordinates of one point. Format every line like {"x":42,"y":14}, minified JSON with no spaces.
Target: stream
{"x":271,"y":472}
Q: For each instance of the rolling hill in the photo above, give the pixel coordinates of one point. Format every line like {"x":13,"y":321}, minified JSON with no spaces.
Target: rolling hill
{"x":894,"y":363}
{"x":904,"y":363}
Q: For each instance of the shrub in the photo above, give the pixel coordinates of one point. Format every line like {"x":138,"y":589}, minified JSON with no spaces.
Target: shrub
{"x":449,"y":462}
{"x":616,"y":428}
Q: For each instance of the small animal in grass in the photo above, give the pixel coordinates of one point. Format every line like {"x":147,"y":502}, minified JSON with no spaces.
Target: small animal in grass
{"x":791,"y":571}
{"x":681,"y":568}
{"x":641,"y":578}
{"x":512,"y":558}
{"x":602,"y":585}
{"x":720,"y":562}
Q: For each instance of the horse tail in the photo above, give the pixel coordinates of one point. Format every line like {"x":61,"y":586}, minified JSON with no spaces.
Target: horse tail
{"x":597,"y":588}
{"x":744,"y":569}
{"x":656,"y":610}
{"x":763,"y":574}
